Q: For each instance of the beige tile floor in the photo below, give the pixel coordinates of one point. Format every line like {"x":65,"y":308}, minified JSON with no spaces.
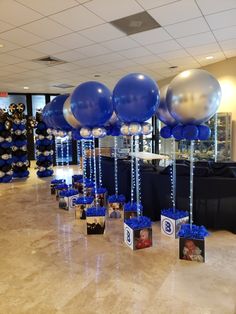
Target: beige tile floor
{"x":48,"y":265}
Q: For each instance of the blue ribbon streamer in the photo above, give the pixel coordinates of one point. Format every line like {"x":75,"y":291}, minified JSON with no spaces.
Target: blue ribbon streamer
{"x":133,"y":207}
{"x":196,"y":232}
{"x":139,"y":222}
{"x":93,"y":211}
{"x":116,"y":198}
{"x":178,"y":214}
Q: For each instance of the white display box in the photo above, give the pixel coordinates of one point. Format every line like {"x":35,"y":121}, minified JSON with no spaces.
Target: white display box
{"x":137,"y":239}
{"x":68,"y":202}
{"x":170,"y":227}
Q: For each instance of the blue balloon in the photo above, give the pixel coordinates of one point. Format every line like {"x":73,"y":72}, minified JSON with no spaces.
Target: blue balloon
{"x":91,"y":104}
{"x":204,"y":132}
{"x":135,"y":98}
{"x":177,"y":132}
{"x":76,"y":135}
{"x":47,"y":115}
{"x":57,"y":117}
{"x":190,"y":132}
{"x":166,"y":131}
{"x":162,"y":112}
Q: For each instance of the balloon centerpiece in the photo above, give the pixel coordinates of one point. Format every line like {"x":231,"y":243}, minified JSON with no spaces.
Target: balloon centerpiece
{"x":135,"y":98}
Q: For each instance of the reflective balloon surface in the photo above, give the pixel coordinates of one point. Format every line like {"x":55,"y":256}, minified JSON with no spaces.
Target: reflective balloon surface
{"x":91,"y":104}
{"x":124,"y":129}
{"x":193,"y":96}
{"x":135,"y":98}
{"x":135,"y":128}
{"x":68,"y":115}
{"x":85,"y":132}
{"x":146,"y":128}
{"x":162,"y":112}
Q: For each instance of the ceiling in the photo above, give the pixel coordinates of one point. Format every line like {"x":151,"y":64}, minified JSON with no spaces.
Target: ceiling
{"x":79,"y":32}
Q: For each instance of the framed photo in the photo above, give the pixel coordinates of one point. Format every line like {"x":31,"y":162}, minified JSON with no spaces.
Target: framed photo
{"x":192,"y":250}
{"x":115,"y":210}
{"x":95,"y":224}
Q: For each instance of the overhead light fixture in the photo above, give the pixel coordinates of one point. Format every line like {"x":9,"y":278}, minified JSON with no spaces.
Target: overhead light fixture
{"x":173,"y":67}
{"x":97,"y":75}
{"x":209,"y":57}
{"x":1,"y":45}
{"x":26,"y":87}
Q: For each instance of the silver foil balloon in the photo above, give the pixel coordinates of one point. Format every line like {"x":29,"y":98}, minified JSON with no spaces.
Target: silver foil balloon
{"x":2,"y":174}
{"x":193,"y":96}
{"x":99,"y":132}
{"x":85,"y":132}
{"x":135,"y":128}
{"x":68,"y":115}
{"x":146,"y":128}
{"x":124,"y":130}
{"x":162,"y":112}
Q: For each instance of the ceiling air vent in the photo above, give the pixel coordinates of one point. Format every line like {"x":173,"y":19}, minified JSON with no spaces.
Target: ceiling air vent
{"x":63,"y":85}
{"x":49,"y":61}
{"x":136,"y":23}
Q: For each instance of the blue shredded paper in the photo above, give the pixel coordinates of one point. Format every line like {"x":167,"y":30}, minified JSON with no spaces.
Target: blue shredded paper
{"x":197,"y":232}
{"x":132,"y":207}
{"x":77,"y":177}
{"x":68,"y":193}
{"x":116,"y":198}
{"x":84,"y":200}
{"x":57,"y":181}
{"x":61,"y":186}
{"x":139,"y":222}
{"x":96,"y":211}
{"x":178,"y":214}
{"x":100,"y":191}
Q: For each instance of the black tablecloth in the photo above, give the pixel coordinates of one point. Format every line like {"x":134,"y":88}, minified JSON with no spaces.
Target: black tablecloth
{"x":214,"y":197}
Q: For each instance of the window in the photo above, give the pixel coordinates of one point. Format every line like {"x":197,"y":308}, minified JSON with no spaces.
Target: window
{"x":38,"y":102}
{"x":6,"y":101}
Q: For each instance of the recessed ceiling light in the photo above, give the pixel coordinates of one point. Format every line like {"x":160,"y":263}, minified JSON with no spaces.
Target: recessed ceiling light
{"x":26,"y":87}
{"x":97,"y":75}
{"x":209,"y":57}
{"x":173,"y":67}
{"x":1,"y":45}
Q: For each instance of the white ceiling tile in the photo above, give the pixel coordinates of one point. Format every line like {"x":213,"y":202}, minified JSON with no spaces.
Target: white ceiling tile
{"x":187,"y":61}
{"x":135,"y":52}
{"x":48,"y":48}
{"x":187,"y":28}
{"x":152,"y":36}
{"x":72,"y":41}
{"x":217,"y":56}
{"x":65,"y":67}
{"x":213,"y":6}
{"x":222,"y":19}
{"x":70,"y":56}
{"x":46,"y":7}
{"x":5,"y":26}
{"x":50,"y":70}
{"x":46,"y":28}
{"x":199,"y":50}
{"x":89,"y":62}
{"x":165,"y":46}
{"x":156,"y":66}
{"x":111,"y":10}
{"x":228,"y":44}
{"x":196,"y":40}
{"x":102,"y":33}
{"x":225,"y":33}
{"x":29,"y":65}
{"x":77,"y":18}
{"x":7,"y":46}
{"x":146,"y":59}
{"x":120,"y":44}
{"x":21,"y":37}
{"x":150,"y":4}
{"x":16,"y":14}
{"x":14,"y":68}
{"x":230,"y":53}
{"x":175,"y":12}
{"x":107,"y":58}
{"x":93,"y":50}
{"x":7,"y":59}
{"x":26,"y":54}
{"x":103,"y":68}
{"x":123,"y":64}
{"x":181,"y":53}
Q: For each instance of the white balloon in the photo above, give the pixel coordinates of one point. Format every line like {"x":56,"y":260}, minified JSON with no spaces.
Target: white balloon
{"x":2,"y":174}
{"x":99,"y":132}
{"x":135,"y":128}
{"x":2,"y":139}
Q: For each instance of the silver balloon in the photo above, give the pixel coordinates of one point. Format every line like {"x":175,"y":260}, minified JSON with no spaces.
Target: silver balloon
{"x":9,"y":173}
{"x":193,"y":96}
{"x":124,"y":130}
{"x":99,"y":132}
{"x":68,"y":115}
{"x":135,"y":128}
{"x":2,"y":174}
{"x":2,"y":139}
{"x":49,"y":131}
{"x":17,"y":121}
{"x":8,"y":139}
{"x":162,"y":112}
{"x":6,"y":156}
{"x":146,"y":128}
{"x":113,"y":119}
{"x":85,"y":132}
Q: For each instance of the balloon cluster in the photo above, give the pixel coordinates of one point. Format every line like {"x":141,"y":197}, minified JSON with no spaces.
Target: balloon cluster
{"x":6,"y":172}
{"x":191,"y":99}
{"x":19,"y":138}
{"x":44,"y":148}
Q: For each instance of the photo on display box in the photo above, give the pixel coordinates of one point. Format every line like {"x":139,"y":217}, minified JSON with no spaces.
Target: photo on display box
{"x":115,"y":210}
{"x":142,"y":238}
{"x":192,"y":250}
{"x":101,"y":199}
{"x":95,"y":225}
